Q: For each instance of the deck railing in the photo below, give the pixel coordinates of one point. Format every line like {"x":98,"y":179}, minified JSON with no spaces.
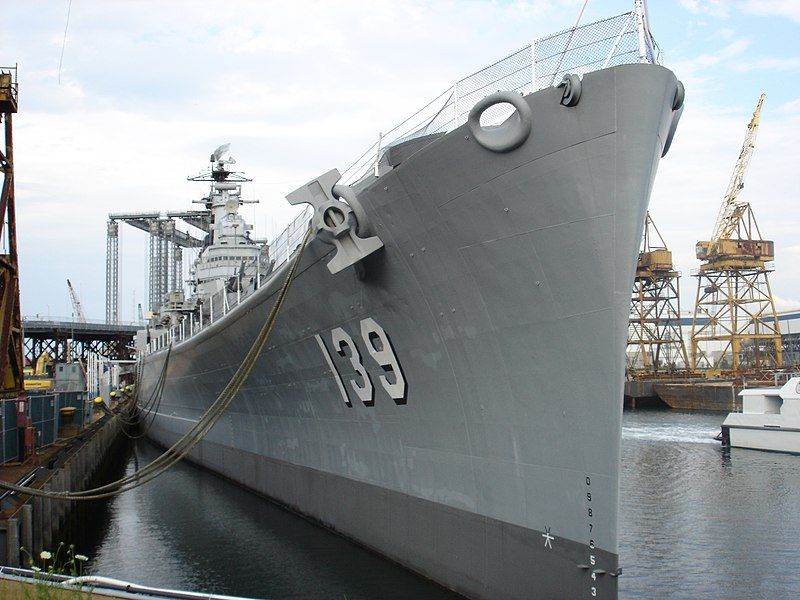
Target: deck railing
{"x":579,"y":50}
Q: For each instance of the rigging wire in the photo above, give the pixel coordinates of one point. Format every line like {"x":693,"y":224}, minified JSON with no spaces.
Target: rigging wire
{"x":198,"y":431}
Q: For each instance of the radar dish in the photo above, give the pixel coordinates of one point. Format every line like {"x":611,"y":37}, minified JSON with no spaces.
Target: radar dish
{"x":220,"y":152}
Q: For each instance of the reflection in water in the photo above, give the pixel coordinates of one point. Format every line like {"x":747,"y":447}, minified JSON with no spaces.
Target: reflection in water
{"x":697,"y":520}
{"x":173,"y":532}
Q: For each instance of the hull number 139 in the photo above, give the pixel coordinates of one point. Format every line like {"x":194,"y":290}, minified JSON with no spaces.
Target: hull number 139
{"x":380,"y":350}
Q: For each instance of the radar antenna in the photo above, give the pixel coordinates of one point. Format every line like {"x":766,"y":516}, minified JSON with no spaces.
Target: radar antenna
{"x":217,"y":155}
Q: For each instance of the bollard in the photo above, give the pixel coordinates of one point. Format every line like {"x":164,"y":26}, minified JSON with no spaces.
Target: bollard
{"x":27,"y":527}
{"x":37,"y":526}
{"x":12,"y":542}
{"x":47,"y":522}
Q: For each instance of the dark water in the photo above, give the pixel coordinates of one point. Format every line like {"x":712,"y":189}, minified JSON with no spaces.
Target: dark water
{"x":695,"y":522}
{"x":175,"y":531}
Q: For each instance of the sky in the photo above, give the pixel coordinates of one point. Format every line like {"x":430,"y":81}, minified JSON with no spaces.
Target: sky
{"x":116,"y":113}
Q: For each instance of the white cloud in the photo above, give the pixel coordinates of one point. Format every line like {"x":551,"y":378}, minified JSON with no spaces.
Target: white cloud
{"x":714,"y":8}
{"x":692,"y":180}
{"x":781,"y":8}
{"x":775,"y":64}
{"x":299,"y":88}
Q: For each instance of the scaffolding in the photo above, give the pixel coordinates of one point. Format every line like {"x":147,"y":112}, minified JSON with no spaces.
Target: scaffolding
{"x":735,"y":326}
{"x":164,"y":257}
{"x":655,"y":342}
{"x":112,"y":273}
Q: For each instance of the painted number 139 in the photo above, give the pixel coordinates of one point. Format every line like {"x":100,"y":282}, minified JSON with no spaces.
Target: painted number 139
{"x":380,"y":350}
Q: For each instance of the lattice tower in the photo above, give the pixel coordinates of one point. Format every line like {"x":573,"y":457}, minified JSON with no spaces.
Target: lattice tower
{"x":655,"y":342}
{"x":156,"y":260}
{"x":735,"y":326}
{"x":112,"y":273}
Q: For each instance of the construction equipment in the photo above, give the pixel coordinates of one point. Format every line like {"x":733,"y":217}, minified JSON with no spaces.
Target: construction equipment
{"x":76,"y":303}
{"x":735,"y":327}
{"x":655,"y":342}
{"x":39,"y":377}
{"x":11,"y":365}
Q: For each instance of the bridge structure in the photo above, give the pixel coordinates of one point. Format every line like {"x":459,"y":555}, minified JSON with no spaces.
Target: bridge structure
{"x":67,"y":339}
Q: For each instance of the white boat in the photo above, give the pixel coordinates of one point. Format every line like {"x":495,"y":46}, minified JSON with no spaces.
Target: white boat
{"x":770,"y":419}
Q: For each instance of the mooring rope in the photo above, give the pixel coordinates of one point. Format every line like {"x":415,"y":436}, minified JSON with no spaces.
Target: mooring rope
{"x":153,"y":402}
{"x":150,"y":408}
{"x":197,"y":432}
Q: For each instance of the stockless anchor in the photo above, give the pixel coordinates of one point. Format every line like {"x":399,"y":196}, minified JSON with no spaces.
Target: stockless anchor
{"x":344,"y":225}
{"x":197,"y":432}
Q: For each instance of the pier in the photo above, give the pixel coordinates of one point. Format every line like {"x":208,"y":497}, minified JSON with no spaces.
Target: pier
{"x":65,"y":339}
{"x":69,"y":464}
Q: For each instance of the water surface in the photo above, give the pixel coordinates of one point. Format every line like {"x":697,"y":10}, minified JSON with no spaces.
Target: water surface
{"x":696,"y":521}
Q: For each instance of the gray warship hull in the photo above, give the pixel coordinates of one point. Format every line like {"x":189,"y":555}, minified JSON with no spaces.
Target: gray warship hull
{"x":503,"y":292}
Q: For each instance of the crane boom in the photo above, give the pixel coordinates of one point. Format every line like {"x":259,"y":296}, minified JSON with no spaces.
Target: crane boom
{"x":76,"y":303}
{"x":732,"y":208}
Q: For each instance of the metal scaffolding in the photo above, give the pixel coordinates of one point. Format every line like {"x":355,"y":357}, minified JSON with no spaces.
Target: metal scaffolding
{"x":112,"y":273}
{"x":165,"y":252}
{"x":655,"y":342}
{"x":177,"y":269}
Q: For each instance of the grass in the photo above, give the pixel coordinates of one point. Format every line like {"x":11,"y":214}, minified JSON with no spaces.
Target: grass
{"x":64,"y":561}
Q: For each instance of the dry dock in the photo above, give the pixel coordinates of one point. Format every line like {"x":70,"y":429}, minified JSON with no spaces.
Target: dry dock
{"x":34,"y":522}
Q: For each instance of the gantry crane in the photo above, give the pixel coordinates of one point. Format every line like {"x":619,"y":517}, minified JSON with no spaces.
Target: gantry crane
{"x":655,"y":342}
{"x":735,"y":326}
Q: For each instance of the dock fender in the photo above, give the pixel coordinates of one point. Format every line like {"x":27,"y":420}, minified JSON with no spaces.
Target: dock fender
{"x":510,"y":134}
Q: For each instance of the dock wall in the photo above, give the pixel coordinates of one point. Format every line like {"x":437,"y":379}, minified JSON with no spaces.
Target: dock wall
{"x":716,"y":396}
{"x":34,"y":522}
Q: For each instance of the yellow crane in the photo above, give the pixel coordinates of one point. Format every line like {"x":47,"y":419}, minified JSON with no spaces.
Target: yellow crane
{"x":735,"y":326}
{"x":655,"y":343}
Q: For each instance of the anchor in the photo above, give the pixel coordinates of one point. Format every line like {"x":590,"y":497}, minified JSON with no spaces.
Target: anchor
{"x":335,"y":222}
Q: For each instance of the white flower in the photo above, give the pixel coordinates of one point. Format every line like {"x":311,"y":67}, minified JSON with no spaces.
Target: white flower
{"x":36,"y":569}
{"x":81,"y":557}
{"x":46,"y":555}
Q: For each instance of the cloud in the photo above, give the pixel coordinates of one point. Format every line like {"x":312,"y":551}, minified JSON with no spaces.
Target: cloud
{"x":773,"y":63}
{"x":714,"y":8}
{"x":298,"y":88}
{"x":780,"y":8}
{"x":693,"y":177}
{"x":144,"y":100}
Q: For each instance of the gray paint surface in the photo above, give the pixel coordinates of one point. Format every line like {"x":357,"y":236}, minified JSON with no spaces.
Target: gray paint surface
{"x":503,"y":286}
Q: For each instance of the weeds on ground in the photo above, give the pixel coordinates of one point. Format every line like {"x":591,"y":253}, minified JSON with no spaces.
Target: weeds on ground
{"x":49,"y":564}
